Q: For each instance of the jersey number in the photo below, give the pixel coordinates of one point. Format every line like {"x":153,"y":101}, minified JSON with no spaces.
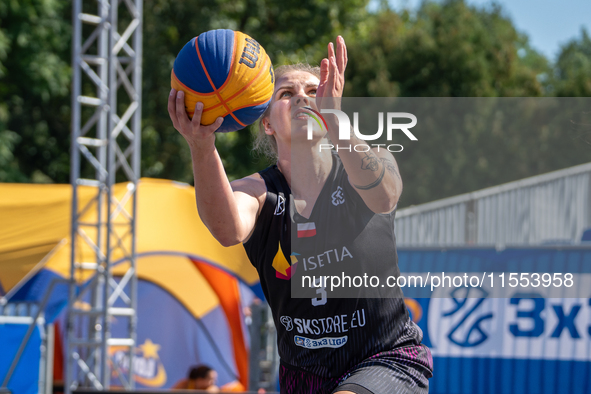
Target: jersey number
{"x":321,"y":291}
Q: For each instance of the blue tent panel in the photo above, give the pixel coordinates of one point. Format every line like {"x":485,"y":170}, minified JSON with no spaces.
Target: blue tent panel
{"x":171,"y":340}
{"x":35,"y":289}
{"x":25,"y":379}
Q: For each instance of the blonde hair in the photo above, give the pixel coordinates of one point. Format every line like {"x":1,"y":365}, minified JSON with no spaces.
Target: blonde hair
{"x":264,"y":143}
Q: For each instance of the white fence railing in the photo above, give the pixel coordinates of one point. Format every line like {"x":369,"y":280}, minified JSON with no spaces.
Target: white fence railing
{"x":553,"y":207}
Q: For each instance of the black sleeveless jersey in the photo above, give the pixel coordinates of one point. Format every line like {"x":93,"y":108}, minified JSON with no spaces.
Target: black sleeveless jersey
{"x":326,"y":336}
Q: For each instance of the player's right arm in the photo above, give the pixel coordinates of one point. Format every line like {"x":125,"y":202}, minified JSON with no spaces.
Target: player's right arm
{"x":229,"y":211}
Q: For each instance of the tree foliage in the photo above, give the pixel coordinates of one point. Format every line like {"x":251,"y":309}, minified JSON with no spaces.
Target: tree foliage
{"x":288,"y":30}
{"x":572,"y":75}
{"x":34,"y":90}
{"x":448,"y":49}
{"x":443,"y":49}
{"x":451,"y":49}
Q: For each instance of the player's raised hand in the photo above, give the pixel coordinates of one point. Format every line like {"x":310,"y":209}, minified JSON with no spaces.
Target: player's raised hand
{"x":192,"y":129}
{"x":332,"y":75}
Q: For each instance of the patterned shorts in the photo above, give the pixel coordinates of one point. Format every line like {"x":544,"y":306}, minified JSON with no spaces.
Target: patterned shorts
{"x":402,"y":370}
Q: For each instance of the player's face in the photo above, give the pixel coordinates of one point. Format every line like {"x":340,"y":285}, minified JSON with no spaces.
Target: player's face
{"x":293,"y":91}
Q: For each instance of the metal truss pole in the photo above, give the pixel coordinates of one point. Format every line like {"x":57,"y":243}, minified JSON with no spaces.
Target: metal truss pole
{"x":106,"y":116}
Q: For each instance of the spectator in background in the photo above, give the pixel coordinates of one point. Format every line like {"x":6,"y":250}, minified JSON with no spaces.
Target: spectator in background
{"x":201,"y":377}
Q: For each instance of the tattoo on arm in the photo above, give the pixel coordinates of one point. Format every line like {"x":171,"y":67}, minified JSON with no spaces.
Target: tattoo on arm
{"x":391,"y":167}
{"x":374,"y":183}
{"x":371,"y":162}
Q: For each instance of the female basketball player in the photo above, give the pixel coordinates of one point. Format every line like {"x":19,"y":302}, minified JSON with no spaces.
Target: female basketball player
{"x":334,"y":345}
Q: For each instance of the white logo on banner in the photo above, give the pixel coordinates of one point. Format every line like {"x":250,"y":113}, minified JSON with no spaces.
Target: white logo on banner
{"x":520,"y":326}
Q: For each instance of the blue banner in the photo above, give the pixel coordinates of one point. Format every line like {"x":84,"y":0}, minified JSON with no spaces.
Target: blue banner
{"x":519,"y":344}
{"x":25,"y":379}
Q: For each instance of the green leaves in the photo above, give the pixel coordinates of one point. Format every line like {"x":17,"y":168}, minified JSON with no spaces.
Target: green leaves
{"x":453,"y":49}
{"x":34,"y":90}
{"x":448,"y":49}
{"x":572,"y":76}
{"x":289,"y":30}
{"x":443,"y":49}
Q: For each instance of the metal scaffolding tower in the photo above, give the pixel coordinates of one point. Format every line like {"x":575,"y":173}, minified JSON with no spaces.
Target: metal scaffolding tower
{"x":106,"y":116}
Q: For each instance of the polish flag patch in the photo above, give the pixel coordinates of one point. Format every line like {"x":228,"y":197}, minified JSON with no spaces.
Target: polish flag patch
{"x":306,"y":230}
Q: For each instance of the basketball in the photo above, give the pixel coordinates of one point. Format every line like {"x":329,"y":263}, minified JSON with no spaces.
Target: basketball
{"x":230,"y":73}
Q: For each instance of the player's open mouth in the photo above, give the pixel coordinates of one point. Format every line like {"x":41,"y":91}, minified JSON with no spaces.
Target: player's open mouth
{"x":302,"y":113}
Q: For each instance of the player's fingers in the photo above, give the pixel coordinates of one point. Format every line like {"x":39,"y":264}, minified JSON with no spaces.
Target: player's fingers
{"x":341,"y":54}
{"x":330,"y":50}
{"x":324,"y":70}
{"x":212,"y":127}
{"x":172,"y":108}
{"x":338,"y":80}
{"x":196,"y":121}
{"x":181,"y":113}
{"x":332,"y":70}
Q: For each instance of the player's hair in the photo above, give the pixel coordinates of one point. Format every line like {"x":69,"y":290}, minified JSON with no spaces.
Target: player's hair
{"x":199,"y":372}
{"x":264,"y":143}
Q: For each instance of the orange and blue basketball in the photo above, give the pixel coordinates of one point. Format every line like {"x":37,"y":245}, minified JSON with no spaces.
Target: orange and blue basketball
{"x":230,"y":73}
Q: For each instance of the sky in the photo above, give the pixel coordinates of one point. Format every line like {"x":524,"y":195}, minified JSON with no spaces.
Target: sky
{"x":548,"y":23}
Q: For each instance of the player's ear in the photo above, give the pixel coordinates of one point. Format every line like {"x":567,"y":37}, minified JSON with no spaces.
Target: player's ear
{"x":268,"y":128}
